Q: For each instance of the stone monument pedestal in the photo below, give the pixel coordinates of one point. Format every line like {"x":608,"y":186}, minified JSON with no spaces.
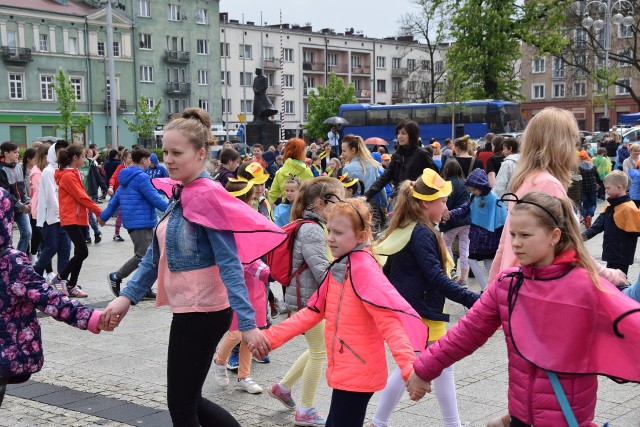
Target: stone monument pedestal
{"x":265,"y":133}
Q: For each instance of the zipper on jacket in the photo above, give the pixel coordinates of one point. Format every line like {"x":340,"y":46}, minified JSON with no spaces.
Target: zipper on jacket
{"x":335,"y":335}
{"x":344,"y":344}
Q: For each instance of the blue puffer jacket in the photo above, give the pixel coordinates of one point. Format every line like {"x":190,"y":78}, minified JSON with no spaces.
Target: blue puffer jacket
{"x":416,"y":273}
{"x":634,"y":188}
{"x":137,"y":199}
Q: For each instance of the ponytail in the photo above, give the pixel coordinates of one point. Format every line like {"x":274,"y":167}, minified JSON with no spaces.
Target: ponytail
{"x":66,"y":155}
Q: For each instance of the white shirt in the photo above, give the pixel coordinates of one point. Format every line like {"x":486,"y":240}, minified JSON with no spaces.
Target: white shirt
{"x":333,"y":138}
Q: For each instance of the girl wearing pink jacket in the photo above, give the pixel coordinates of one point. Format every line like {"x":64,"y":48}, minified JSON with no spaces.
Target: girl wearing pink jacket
{"x":560,"y":321}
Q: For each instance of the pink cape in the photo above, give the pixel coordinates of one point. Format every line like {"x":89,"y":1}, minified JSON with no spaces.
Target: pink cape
{"x":573,"y":328}
{"x":372,"y":287}
{"x":205,"y":202}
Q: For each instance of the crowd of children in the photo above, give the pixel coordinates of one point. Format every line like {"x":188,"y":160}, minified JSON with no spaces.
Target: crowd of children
{"x":351,"y":282}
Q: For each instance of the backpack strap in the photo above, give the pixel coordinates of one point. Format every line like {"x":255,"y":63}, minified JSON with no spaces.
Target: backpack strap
{"x":562,"y":400}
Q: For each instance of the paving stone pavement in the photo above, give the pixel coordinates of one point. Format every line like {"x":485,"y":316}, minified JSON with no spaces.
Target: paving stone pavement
{"x":119,"y":379}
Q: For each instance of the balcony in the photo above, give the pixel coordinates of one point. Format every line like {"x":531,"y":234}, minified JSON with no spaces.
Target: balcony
{"x":16,"y":55}
{"x":338,"y":68}
{"x":363,"y":93}
{"x":399,"y":72}
{"x":121,"y":106}
{"x":176,"y":57}
{"x":176,"y":88}
{"x":361,"y":70}
{"x":313,"y":66}
{"x":273,"y":90}
{"x":271,"y":64}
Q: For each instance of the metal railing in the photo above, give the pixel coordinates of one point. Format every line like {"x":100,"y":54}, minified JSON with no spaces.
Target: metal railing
{"x":121,"y":106}
{"x":178,"y":88}
{"x":177,"y":57}
{"x":16,"y":54}
{"x":313,"y":66}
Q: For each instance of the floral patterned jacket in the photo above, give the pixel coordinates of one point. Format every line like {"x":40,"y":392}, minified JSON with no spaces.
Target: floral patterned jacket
{"x":22,"y":290}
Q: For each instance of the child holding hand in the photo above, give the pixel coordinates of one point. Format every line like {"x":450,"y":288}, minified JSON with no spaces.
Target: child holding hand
{"x":362,"y":311}
{"x":556,"y":284}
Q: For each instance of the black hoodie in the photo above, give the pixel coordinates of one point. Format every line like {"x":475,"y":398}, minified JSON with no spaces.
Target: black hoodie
{"x":12,"y":180}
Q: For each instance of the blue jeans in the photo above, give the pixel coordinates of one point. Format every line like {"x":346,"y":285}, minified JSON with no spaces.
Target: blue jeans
{"x":24,"y":226}
{"x":54,"y":240}
{"x":589,"y":203}
{"x":633,"y":291}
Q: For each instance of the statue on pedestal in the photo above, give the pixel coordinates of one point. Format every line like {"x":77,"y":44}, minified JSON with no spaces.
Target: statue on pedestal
{"x":262,"y":107}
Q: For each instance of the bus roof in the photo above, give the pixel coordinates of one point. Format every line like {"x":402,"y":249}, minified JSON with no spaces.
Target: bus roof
{"x":357,"y":107}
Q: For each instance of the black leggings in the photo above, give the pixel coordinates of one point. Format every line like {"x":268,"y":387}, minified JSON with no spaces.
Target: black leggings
{"x":348,"y":408}
{"x":80,"y":253}
{"x":192,"y":342}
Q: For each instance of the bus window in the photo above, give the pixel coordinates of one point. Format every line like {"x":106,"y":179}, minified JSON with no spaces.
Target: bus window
{"x":474,"y":114}
{"x":443,"y":115}
{"x":355,"y":118}
{"x":377,"y":117}
{"x":424,"y":115}
{"x":397,"y":115}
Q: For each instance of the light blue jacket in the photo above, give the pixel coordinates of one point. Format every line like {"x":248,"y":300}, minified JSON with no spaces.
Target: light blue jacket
{"x":190,"y":246}
{"x":368,"y":175}
{"x":634,"y":187}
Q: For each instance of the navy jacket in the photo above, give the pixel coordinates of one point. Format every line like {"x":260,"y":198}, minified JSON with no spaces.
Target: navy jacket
{"x":137,"y":199}
{"x":458,"y":197}
{"x":416,"y":273}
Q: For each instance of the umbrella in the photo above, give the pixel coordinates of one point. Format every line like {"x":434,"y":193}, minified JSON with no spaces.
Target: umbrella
{"x":335,"y":121}
{"x":374,"y":140}
{"x":240,"y":146}
{"x":48,"y":139}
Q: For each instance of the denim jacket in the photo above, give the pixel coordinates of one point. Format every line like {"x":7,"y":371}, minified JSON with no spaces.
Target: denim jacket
{"x":190,"y":246}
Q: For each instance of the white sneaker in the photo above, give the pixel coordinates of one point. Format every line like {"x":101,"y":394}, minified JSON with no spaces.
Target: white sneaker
{"x":249,"y":386}
{"x":220,"y":371}
{"x":49,"y":277}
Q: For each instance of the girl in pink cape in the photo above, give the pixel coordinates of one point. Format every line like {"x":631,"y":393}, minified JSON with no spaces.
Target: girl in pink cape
{"x":362,"y":311}
{"x":557,"y":284}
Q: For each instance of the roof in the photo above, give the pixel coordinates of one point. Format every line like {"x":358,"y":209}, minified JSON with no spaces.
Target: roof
{"x":76,"y":8}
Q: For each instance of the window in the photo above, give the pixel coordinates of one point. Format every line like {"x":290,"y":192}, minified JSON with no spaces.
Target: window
{"x":177,"y":75}
{"x":144,"y":8}
{"x":579,"y":89}
{"x":203,"y":77}
{"x":146,"y":73}
{"x":623,"y":90}
{"x":16,"y":86}
{"x":116,"y":48}
{"x":224,"y":50}
{"x":599,"y":61}
{"x":288,"y":80}
{"x":581,"y":64}
{"x":538,"y":65}
{"x":289,"y":107}
{"x":357,"y":84}
{"x":271,"y":78}
{"x":308,"y":57}
{"x":44,"y":43}
{"x":245,"y":79}
{"x":396,"y":85}
{"x":381,"y":62}
{"x":73,"y":46}
{"x":411,"y":64}
{"x":381,"y":85}
{"x":332,"y":60}
{"x":176,"y":105}
{"x":558,"y":67}
{"x":267,"y":53}
{"x":558,"y":90}
{"x":151,"y":103}
{"x":625,"y":32}
{"x":204,"y":104}
{"x":174,"y":12}
{"x":439,"y":66}
{"x":225,"y":77}
{"x":626,"y":56}
{"x":76,"y":83}
{"x":599,"y":87}
{"x":175,"y":44}
{"x":425,"y":64}
{"x":310,"y":82}
{"x":356,"y":61}
{"x":145,"y":41}
{"x":396,"y":62}
{"x":288,"y":55}
{"x":580,"y":41}
{"x":46,"y":88}
{"x":246,"y":106}
{"x":101,"y":49}
{"x":537,"y":91}
{"x":12,"y":41}
{"x":202,"y":47}
{"x":226,"y":105}
{"x":202,"y":16}
{"x":246,"y":51}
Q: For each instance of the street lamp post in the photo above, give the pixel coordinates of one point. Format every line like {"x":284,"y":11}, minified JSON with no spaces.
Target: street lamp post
{"x":612,"y":15}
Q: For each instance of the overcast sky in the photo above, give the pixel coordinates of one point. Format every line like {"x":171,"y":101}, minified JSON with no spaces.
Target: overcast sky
{"x":376,"y":18}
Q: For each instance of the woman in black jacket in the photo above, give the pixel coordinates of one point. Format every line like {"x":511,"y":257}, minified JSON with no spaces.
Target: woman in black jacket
{"x":408,"y":162}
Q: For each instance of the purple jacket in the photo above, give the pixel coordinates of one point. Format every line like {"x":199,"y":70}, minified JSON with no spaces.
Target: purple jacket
{"x":531,"y":397}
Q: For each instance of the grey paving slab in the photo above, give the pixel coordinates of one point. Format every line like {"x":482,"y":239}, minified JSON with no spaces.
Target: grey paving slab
{"x":63,"y":397}
{"x":34,"y":389}
{"x":127,"y":413}
{"x":94,"y":404}
{"x":158,"y":419}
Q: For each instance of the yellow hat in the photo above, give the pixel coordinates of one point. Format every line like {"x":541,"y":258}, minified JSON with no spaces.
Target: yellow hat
{"x":431,"y":179}
{"x":350,"y":182}
{"x":257,"y":172}
{"x":243,"y":191}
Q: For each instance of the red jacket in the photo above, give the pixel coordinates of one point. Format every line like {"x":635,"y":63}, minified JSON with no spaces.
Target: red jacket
{"x":73,"y":199}
{"x":113,"y":181}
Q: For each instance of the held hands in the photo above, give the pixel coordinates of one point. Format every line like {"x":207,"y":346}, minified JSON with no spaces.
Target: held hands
{"x":100,"y":222}
{"x":445,"y":215}
{"x":257,"y":343}
{"x":110,"y":191}
{"x":417,"y":387}
{"x":115,"y":312}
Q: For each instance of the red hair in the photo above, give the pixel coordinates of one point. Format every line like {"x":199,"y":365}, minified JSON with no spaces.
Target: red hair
{"x":351,"y":208}
{"x":295,"y":148}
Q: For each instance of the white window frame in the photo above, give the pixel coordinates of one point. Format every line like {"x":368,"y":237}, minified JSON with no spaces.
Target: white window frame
{"x":288,"y":54}
{"x":146,"y":41}
{"x":559,"y":67}
{"x":203,"y":77}
{"x":225,"y":77}
{"x":396,"y":63}
{"x":621,"y":90}
{"x":43,"y":42}
{"x":47,"y":93}
{"x":18,"y":86}
{"x":534,"y":86}
{"x":581,"y":93}
{"x":268,"y":53}
{"x":204,"y":104}
{"x":116,"y":49}
{"x":202,"y":16}
{"x":558,"y":90}
{"x":77,"y":84}
{"x":381,"y":85}
{"x":151,"y":103}
{"x":73,"y":46}
{"x":289,"y":107}
{"x":144,"y":8}
{"x":626,"y":53}
{"x":104,"y":49}
{"x":202,"y":47}
{"x":538,"y":65}
{"x":332,"y":59}
{"x":245,"y":79}
{"x":243,"y":50}
{"x":226,"y":106}
{"x":411,"y":64}
{"x":173,"y":12}
{"x":246,"y":106}
{"x":225,"y":50}
{"x":288,"y":81}
{"x":439,"y":66}
{"x":146,"y":74}
{"x":625,"y":32}
{"x":381,"y":62}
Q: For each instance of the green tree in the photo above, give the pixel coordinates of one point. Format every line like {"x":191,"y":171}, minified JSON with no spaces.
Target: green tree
{"x":456,"y":92}
{"x":146,"y":118}
{"x":67,"y":106}
{"x":326,"y":103}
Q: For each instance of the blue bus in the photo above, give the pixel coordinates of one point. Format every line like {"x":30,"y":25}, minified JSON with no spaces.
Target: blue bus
{"x":435,"y":120}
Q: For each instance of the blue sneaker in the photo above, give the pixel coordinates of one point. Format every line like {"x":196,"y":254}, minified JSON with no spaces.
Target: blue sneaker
{"x":265,"y":360}
{"x":233,"y":362}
